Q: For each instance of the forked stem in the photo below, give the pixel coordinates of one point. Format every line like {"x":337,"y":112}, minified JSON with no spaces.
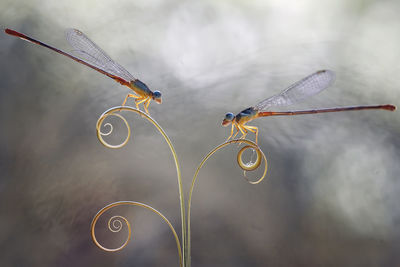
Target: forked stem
{"x":184,"y":251}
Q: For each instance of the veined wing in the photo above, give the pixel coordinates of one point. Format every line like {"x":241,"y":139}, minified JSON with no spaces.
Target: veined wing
{"x":88,"y":51}
{"x":299,"y":91}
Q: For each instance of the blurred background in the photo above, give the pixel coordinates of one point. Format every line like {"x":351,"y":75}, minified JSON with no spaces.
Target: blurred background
{"x":332,"y":191}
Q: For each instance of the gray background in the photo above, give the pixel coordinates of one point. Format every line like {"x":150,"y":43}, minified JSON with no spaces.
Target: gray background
{"x":332,"y":192}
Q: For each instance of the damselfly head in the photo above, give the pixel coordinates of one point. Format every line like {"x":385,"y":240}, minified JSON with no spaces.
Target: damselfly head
{"x":157,"y":97}
{"x":228,"y":119}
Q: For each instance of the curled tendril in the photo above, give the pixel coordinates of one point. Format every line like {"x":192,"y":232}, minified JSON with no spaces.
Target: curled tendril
{"x":100,"y":134}
{"x":244,"y":166}
{"x":250,"y":166}
{"x":115,"y":225}
{"x":110,"y":131}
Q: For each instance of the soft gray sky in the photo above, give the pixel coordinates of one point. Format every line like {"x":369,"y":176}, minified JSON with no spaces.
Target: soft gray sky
{"x":332,"y":192}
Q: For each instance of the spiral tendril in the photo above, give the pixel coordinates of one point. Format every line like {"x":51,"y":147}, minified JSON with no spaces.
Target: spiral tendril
{"x":250,"y":166}
{"x":112,"y":227}
{"x":100,"y":134}
{"x":110,"y":131}
{"x":115,"y":225}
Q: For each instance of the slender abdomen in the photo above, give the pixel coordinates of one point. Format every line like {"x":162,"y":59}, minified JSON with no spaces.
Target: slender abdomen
{"x":314,"y":111}
{"x":29,"y":39}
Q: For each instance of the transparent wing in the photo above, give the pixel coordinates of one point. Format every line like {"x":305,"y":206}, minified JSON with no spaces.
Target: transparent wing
{"x":299,"y":91}
{"x":89,"y":52}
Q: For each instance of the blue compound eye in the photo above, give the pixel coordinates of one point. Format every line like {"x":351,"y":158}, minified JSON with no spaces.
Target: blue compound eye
{"x":157,"y":94}
{"x":229,"y":116}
